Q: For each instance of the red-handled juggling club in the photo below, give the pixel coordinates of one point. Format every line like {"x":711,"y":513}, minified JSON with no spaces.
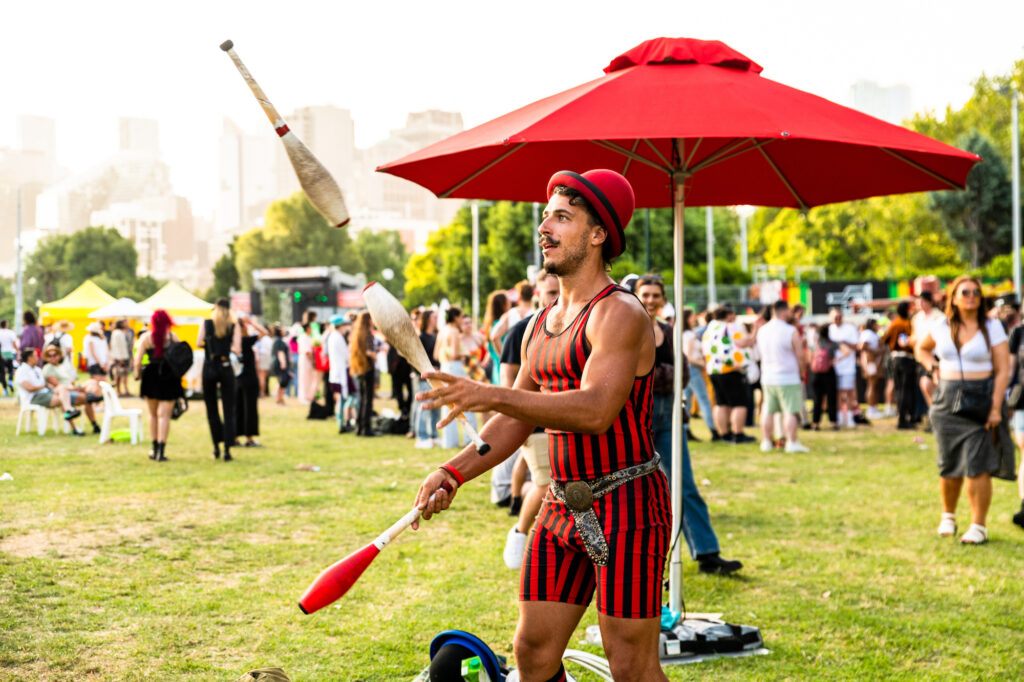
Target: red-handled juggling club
{"x":335,"y":580}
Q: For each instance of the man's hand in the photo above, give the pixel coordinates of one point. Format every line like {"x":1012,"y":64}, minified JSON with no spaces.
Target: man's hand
{"x":459,"y":394}
{"x":438,"y":484}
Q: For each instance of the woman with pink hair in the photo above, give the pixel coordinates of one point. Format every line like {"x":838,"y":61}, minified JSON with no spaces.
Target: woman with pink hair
{"x":160,"y":387}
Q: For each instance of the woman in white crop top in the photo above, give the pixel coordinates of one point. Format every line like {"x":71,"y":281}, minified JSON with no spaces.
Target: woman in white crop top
{"x":966,"y":355}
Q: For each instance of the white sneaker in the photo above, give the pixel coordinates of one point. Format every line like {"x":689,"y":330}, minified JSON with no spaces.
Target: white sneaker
{"x":515,"y":547}
{"x":890,"y":412}
{"x":767,"y":446}
{"x":874,"y":413}
{"x":424,"y":443}
{"x":796,"y":446}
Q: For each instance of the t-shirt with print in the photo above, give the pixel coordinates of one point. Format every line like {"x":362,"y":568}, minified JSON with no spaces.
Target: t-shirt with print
{"x":720,"y":349}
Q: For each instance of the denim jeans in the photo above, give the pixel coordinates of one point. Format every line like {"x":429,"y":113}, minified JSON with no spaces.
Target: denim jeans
{"x":414,"y":411}
{"x":697,"y":387}
{"x":293,"y":385}
{"x":426,"y":422}
{"x":696,"y":526}
{"x":450,"y":434}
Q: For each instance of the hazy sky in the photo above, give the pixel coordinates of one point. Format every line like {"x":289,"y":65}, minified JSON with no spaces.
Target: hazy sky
{"x":87,"y":63}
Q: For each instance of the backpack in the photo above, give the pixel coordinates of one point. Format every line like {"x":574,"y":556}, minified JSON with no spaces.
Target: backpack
{"x":178,"y":358}
{"x":821,"y":361}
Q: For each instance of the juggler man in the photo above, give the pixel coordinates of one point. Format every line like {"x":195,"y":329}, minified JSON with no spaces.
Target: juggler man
{"x":586,"y":378}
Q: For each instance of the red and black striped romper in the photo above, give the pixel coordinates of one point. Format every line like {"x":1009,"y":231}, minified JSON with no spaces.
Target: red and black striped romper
{"x":636,"y":517}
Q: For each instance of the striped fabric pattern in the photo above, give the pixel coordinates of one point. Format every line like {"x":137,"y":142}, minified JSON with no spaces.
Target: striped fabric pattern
{"x":556,"y":363}
{"x":636,"y":517}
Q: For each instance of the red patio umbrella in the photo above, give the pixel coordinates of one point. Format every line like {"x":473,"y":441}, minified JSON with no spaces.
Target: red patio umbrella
{"x":688,"y":121}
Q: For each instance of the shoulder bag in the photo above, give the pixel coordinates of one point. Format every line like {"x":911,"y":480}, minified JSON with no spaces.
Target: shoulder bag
{"x":972,"y":401}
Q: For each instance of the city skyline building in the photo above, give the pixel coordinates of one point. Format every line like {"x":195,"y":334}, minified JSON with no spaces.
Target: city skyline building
{"x":889,"y":103}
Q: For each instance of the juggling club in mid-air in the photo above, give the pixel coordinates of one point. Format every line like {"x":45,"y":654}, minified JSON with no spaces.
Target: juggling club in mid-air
{"x":320,"y":188}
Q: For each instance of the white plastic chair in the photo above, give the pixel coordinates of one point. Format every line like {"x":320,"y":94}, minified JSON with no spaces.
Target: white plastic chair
{"x":28,"y":410}
{"x":112,"y":408}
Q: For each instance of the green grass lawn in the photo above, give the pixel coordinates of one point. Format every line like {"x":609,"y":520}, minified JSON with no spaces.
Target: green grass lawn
{"x":114,"y":567}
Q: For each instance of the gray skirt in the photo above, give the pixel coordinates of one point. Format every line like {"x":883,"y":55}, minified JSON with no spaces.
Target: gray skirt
{"x":965,"y":446}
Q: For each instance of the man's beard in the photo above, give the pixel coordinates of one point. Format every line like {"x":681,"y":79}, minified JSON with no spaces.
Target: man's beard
{"x":571,"y":263}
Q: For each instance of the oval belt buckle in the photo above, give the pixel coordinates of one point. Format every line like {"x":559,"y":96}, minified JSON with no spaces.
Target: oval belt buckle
{"x":578,"y":496}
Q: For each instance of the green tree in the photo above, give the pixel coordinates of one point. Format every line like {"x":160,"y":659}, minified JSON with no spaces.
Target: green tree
{"x":379,"y":251}
{"x":507,"y":247}
{"x":422,"y":282}
{"x":7,"y":300}
{"x":225,"y":274}
{"x":99,"y":250}
{"x":48,"y":268}
{"x":978,"y":218}
{"x":295,"y":234}
{"x":987,"y":111}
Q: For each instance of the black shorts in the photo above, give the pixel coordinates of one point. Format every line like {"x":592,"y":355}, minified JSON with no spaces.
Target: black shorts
{"x":283,"y":379}
{"x":730,"y":389}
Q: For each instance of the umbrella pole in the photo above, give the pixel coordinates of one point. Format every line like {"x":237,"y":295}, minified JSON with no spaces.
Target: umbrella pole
{"x":675,"y":575}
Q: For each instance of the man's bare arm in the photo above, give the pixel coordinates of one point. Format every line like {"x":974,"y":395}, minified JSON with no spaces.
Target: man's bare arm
{"x":622,"y":347}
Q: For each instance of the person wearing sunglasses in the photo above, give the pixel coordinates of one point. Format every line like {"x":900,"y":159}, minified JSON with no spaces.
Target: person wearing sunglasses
{"x":969,"y":354}
{"x":56,"y":372}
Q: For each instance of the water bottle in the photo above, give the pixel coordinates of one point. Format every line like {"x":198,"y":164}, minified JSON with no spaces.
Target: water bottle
{"x":474,"y":671}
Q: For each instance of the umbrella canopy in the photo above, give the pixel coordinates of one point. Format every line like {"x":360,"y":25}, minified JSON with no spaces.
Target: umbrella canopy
{"x":122,"y":307}
{"x":698,"y":111}
{"x":688,"y":121}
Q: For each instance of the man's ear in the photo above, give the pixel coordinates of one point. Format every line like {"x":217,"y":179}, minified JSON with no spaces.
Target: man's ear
{"x":599,"y":236}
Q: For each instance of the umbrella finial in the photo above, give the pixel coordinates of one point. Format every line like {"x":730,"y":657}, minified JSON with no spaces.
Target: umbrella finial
{"x":683,"y":51}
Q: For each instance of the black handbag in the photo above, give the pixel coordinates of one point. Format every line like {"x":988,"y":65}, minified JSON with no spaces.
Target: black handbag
{"x":972,"y":401}
{"x":180,"y":407}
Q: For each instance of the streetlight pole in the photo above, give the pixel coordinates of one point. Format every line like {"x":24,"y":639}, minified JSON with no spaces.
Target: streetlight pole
{"x":647,"y":240}
{"x":709,"y":222}
{"x":18,"y":287}
{"x":536,"y":234}
{"x":1014,"y":136}
{"x":475,"y":208}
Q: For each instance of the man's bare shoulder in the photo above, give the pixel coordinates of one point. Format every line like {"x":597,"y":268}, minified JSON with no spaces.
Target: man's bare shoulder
{"x":619,"y":313}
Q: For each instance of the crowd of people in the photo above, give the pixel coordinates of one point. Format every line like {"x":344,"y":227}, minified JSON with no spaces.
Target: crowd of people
{"x":573,"y":378}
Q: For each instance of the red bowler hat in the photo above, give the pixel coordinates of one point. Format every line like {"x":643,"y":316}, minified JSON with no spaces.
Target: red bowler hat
{"x":610,"y":194}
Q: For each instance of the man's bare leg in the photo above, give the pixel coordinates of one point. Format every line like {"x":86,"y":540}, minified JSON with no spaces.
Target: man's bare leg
{"x":541,"y":637}
{"x":722,"y":419}
{"x":738,"y":419}
{"x":631,"y":646}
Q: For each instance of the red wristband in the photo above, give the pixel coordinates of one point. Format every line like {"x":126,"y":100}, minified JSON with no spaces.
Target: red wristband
{"x":454,"y":472}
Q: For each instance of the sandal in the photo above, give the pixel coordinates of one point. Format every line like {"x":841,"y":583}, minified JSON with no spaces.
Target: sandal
{"x":975,"y":535}
{"x":947,"y":527}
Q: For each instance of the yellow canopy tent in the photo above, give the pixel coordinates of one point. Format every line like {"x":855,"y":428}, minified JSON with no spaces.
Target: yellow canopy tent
{"x":75,"y":307}
{"x":187,"y":311}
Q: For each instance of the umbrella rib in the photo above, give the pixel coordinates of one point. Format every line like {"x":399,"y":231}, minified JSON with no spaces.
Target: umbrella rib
{"x":658,"y":153}
{"x":447,"y":193}
{"x":692,"y":152}
{"x":625,"y":169}
{"x":803,"y":204}
{"x":729,"y":152}
{"x":940,"y":178}
{"x":632,"y":155}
